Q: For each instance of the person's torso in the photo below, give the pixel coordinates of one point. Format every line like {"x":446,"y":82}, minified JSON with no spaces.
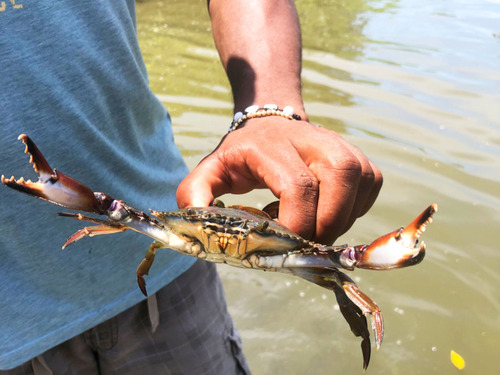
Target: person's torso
{"x":73,"y":79}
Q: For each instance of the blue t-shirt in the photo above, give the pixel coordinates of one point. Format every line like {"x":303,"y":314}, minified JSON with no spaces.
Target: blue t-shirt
{"x":73,"y":79}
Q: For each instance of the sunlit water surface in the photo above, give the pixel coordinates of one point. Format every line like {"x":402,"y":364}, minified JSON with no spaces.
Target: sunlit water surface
{"x":416,"y":86}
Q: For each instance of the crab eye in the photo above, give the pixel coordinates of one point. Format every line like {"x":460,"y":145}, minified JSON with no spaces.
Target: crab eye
{"x":206,"y":216}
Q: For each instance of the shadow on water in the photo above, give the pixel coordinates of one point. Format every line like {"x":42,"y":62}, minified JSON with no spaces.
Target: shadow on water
{"x":415,"y":86}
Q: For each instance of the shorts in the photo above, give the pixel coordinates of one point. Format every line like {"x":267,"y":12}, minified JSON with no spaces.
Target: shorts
{"x":185,"y":328}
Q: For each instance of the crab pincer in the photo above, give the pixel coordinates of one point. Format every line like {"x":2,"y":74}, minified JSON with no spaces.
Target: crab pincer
{"x":397,"y":249}
{"x":53,"y":185}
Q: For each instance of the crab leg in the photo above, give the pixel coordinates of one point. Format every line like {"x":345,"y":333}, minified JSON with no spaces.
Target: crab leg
{"x":394,"y":250}
{"x":146,"y":263}
{"x":367,"y":307}
{"x":141,"y":225}
{"x":353,"y":303}
{"x":397,"y":249}
{"x":318,"y":257}
{"x":105,"y":227}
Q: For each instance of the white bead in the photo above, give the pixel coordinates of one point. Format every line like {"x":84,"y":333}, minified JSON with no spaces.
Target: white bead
{"x":271,"y":106}
{"x":252,"y":109}
{"x":288,"y":110}
{"x":237,"y":116}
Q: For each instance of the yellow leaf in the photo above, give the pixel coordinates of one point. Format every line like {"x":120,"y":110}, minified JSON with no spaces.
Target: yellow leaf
{"x":457,"y":360}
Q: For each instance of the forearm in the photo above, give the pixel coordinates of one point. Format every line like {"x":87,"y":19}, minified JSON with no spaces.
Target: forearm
{"x":259,"y":43}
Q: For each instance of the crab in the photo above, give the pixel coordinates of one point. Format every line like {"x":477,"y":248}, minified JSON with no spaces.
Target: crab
{"x":239,"y":236}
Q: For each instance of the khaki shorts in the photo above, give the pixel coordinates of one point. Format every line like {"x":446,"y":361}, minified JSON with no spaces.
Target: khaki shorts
{"x":183,"y":329}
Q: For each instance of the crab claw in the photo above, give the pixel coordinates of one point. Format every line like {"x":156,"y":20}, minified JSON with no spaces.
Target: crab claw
{"x":398,"y":249}
{"x":52,"y":185}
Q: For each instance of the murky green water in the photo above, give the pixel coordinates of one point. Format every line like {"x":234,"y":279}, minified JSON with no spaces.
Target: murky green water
{"x":416,"y":86}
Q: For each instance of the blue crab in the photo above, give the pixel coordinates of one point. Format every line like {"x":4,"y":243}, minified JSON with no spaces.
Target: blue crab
{"x":239,"y":236}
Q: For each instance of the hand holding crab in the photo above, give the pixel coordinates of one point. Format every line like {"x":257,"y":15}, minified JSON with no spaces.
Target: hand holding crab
{"x":239,"y":236}
{"x":323,"y":183}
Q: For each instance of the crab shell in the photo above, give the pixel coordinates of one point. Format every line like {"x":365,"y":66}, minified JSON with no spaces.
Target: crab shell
{"x":234,"y":232}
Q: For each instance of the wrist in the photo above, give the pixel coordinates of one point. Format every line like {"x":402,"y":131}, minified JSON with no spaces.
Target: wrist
{"x":255,"y":111}
{"x":241,"y":102}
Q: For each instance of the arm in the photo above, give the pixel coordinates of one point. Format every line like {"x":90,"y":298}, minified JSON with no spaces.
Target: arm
{"x":259,"y":44}
{"x":323,"y":182}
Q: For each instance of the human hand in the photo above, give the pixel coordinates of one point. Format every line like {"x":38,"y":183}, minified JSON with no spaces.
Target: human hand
{"x":323,"y":182}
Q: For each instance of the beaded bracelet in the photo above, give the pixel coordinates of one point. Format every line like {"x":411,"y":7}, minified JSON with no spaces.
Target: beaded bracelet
{"x":255,"y":111}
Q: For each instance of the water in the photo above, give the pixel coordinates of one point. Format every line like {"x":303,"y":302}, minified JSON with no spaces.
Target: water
{"x":416,"y":86}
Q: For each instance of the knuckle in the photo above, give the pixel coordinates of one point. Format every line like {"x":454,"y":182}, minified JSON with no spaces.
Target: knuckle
{"x":368,"y":178}
{"x":377,"y":180}
{"x":348,"y":163}
{"x":305,"y":184}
